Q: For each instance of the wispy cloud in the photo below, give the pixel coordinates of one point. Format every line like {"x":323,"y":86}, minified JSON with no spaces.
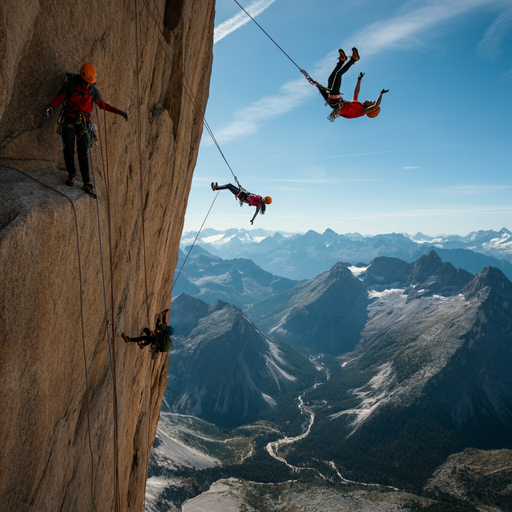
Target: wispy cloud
{"x":403,"y":29}
{"x":411,"y":167}
{"x":469,"y":189}
{"x":240,"y":19}
{"x":491,"y":44}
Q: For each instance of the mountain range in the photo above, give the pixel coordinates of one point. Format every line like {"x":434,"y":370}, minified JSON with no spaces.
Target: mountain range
{"x":238,"y":281}
{"x":223,"y":369}
{"x":304,"y":256}
{"x":396,"y":367}
{"x":429,"y":377}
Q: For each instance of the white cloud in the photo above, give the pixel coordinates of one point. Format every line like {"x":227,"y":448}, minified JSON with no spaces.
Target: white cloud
{"x":491,"y":44}
{"x":410,"y":167}
{"x":240,"y":19}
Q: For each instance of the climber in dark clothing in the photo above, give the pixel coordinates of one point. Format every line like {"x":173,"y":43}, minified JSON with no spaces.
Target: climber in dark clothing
{"x":78,"y":93}
{"x":159,"y":339}
{"x":331,"y":93}
{"x":245,"y":197}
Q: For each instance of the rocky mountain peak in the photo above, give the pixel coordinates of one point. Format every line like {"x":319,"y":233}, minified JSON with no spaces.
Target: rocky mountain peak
{"x":489,"y":279}
{"x":429,"y":275}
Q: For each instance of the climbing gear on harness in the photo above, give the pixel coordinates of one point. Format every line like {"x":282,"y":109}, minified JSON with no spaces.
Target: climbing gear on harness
{"x":89,"y":189}
{"x":343,"y":57}
{"x":124,"y":114}
{"x":47,"y":111}
{"x":335,"y":113}
{"x":88,"y":73}
{"x":154,"y":351}
{"x":373,"y":114}
{"x":91,"y":133}
{"x":308,"y":78}
{"x":71,"y":180}
{"x":355,"y":54}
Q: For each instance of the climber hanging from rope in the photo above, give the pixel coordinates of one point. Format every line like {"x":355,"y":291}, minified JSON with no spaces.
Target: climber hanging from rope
{"x":78,"y":93}
{"x":332,"y":95}
{"x":160,"y":339}
{"x":246,"y":197}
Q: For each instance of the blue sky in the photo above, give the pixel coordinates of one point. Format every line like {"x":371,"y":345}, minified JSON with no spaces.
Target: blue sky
{"x":438,"y":159}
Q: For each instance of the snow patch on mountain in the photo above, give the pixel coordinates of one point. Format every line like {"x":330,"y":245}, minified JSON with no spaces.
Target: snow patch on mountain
{"x":359,"y":272}
{"x":374,"y":294}
{"x":502,"y":244}
{"x":270,"y":401}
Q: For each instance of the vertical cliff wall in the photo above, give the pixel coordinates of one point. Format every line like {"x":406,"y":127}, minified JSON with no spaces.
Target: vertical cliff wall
{"x":57,"y":428}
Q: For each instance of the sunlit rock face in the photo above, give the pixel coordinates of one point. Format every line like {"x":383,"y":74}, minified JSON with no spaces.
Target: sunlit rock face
{"x":56,"y":372}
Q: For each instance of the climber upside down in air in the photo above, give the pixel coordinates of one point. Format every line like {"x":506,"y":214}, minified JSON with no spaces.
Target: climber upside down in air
{"x":332,"y":95}
{"x":245,"y":197}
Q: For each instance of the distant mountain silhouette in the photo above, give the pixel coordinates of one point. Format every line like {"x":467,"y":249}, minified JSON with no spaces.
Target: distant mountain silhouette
{"x":304,"y":256}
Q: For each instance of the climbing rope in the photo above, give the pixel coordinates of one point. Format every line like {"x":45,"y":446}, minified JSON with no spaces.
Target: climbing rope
{"x":192,"y":246}
{"x":110,"y":339}
{"x":142,"y":207}
{"x":139,"y":140}
{"x":268,"y":35}
{"x":306,"y":76}
{"x":81,"y":319}
{"x":165,"y":34}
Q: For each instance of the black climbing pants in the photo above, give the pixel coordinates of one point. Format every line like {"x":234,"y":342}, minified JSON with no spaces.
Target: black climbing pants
{"x":145,"y":339}
{"x":334,"y":82}
{"x":242,"y":196}
{"x":69,"y":134}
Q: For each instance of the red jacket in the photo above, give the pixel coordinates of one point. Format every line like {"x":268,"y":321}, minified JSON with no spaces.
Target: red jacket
{"x":352,"y":109}
{"x":78,"y":99}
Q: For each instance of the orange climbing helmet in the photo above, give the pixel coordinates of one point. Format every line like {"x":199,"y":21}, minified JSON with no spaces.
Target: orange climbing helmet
{"x":375,"y":113}
{"x":267,"y":199}
{"x":88,"y":73}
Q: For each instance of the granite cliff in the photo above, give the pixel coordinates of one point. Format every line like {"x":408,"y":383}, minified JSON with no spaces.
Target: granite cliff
{"x":62,"y":371}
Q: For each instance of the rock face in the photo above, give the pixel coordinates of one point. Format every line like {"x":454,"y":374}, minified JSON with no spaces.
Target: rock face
{"x":59,"y":377}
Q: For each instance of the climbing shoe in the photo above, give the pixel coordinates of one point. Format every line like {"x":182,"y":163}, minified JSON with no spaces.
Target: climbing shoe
{"x":71,"y":180}
{"x":125,"y":338}
{"x":89,"y":189}
{"x":355,"y":54}
{"x":214,"y":186}
{"x":141,"y":345}
{"x":343,"y":56}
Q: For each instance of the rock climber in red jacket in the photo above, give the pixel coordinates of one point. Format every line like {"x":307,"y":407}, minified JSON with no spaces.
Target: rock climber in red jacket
{"x":78,"y":93}
{"x":332,"y":95}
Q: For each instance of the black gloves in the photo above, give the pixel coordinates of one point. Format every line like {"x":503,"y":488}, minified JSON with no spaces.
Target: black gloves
{"x":47,"y":111}
{"x":360,"y":76}
{"x":384,"y":91}
{"x":124,"y":114}
{"x":252,"y":220}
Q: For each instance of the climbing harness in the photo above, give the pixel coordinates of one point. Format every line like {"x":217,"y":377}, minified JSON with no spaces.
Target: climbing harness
{"x":335,"y":113}
{"x":81,"y":320}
